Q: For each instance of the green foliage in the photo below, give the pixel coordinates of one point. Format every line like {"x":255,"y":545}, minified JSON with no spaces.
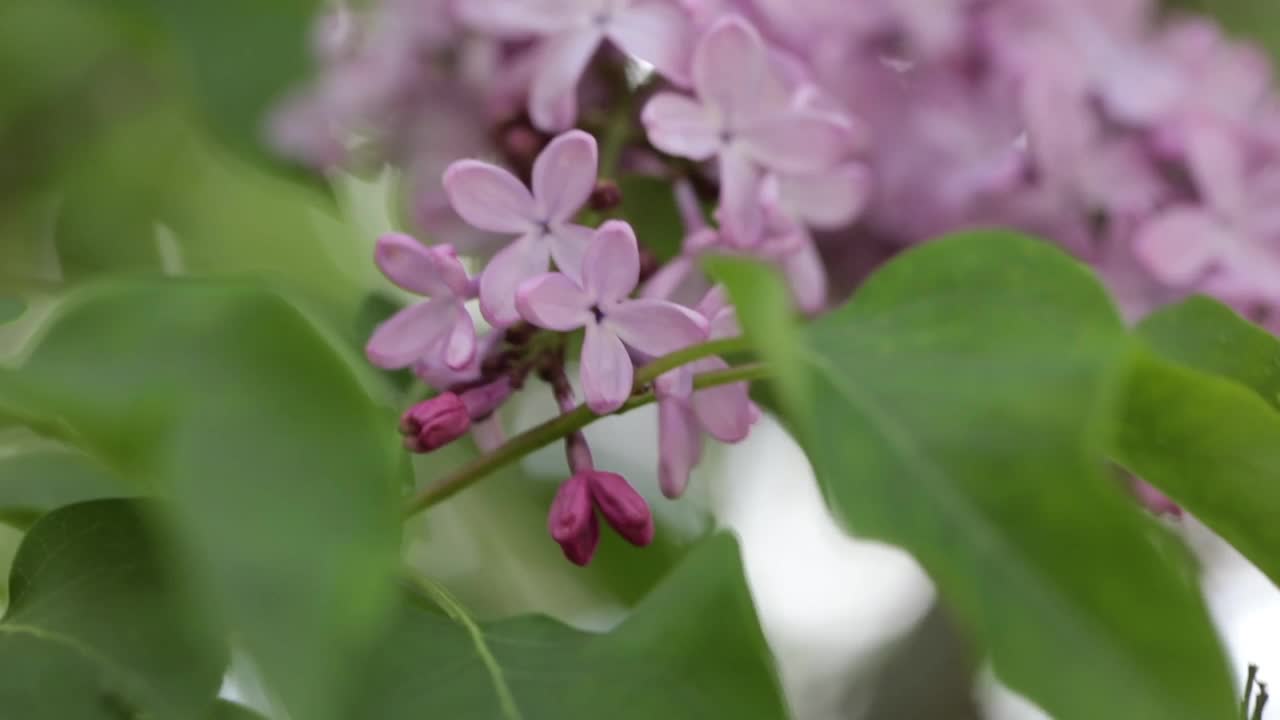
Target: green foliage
{"x":1254,"y":20}
{"x":36,"y":481}
{"x":649,"y":204}
{"x":1200,"y":423}
{"x":691,"y":650}
{"x":961,"y":403}
{"x":282,"y":468}
{"x":98,"y":626}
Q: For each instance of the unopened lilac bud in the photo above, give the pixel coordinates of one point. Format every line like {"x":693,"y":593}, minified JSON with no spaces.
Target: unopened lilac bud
{"x":434,"y":423}
{"x":605,"y":196}
{"x":572,"y":520}
{"x":483,"y":401}
{"x":623,"y":508}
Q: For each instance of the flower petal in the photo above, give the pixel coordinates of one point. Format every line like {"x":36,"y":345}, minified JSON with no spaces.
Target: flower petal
{"x":657,"y":33}
{"x":806,"y":276}
{"x":409,"y":334}
{"x":622,"y":507}
{"x":606,"y":370}
{"x":516,"y":17}
{"x":554,"y":302}
{"x":434,"y":271}
{"x":568,"y":245}
{"x":460,"y":344}
{"x":678,"y":125}
{"x":1179,"y":245}
{"x":727,"y":67}
{"x":489,"y":198}
{"x":564,"y":175}
{"x":519,"y":261}
{"x":797,"y":141}
{"x":553,"y":99}
{"x":611,"y":265}
{"x":656,"y":327}
{"x":828,"y":200}
{"x":725,"y":410}
{"x":679,"y":446}
{"x":741,"y":214}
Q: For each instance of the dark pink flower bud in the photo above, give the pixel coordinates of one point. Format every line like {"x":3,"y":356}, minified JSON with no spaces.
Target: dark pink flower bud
{"x":434,"y":423}
{"x":572,"y":520}
{"x":623,"y":508}
{"x":1154,"y":500}
{"x":606,"y":195}
{"x":483,"y":401}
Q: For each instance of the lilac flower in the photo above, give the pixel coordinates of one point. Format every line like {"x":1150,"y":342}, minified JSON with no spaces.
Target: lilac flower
{"x":744,"y":116}
{"x":724,"y":412}
{"x":572,"y":520}
{"x":492,"y":199}
{"x":1229,"y":243}
{"x":439,"y":328}
{"x":654,"y":31}
{"x":610,"y":273}
{"x":434,"y":423}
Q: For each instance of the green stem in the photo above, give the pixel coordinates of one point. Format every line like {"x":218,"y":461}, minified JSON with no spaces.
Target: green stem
{"x":726,"y":346}
{"x":617,"y":133}
{"x":562,"y":425}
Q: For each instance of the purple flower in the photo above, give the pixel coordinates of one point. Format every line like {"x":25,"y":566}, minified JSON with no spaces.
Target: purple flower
{"x":439,"y":329}
{"x":745,"y":117}
{"x":1229,"y":242}
{"x":492,"y":199}
{"x":572,"y":519}
{"x":599,"y":303}
{"x":724,"y":412}
{"x":654,"y":31}
{"x":434,"y":423}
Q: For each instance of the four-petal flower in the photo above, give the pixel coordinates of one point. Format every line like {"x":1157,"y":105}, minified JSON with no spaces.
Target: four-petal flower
{"x":600,"y":303}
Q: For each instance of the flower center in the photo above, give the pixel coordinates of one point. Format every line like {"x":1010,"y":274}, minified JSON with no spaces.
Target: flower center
{"x":597,"y":313}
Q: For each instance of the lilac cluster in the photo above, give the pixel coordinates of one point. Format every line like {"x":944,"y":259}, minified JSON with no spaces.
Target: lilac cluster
{"x":825,"y":134}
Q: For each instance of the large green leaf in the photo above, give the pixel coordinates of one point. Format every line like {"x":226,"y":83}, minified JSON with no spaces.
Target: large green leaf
{"x":35,"y":481}
{"x":98,"y":627}
{"x":650,"y":206}
{"x":1200,"y":423}
{"x":691,"y":650}
{"x":961,"y":405}
{"x":282,"y":470}
{"x":1204,"y":334}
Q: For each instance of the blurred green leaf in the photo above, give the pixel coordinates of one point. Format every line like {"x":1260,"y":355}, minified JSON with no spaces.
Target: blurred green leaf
{"x":282,"y":469}
{"x":650,"y":206}
{"x":1204,"y":427}
{"x":1206,"y":335}
{"x":36,"y":481}
{"x":691,"y":650}
{"x":11,"y":308}
{"x":961,"y":405}
{"x":223,"y":710}
{"x":98,"y":628}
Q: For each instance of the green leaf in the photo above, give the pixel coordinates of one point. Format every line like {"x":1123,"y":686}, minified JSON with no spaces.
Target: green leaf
{"x":1213,"y":446}
{"x":223,"y":710}
{"x":34,"y":482}
{"x":961,"y":405}
{"x":1204,"y":334}
{"x":650,"y":206}
{"x":283,"y":471}
{"x":691,"y":650}
{"x":98,"y":627}
{"x":11,"y":308}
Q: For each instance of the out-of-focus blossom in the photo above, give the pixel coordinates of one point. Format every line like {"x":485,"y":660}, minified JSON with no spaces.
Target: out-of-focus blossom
{"x":745,"y":118}
{"x":655,"y":31}
{"x":492,"y":199}
{"x":600,"y":304}
{"x":439,"y":328}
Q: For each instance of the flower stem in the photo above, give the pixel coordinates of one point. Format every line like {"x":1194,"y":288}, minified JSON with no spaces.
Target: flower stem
{"x":558,"y":427}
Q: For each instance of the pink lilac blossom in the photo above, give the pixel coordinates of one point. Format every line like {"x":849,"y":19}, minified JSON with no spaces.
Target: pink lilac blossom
{"x":439,"y":328}
{"x":571,"y":31}
{"x":492,"y":199}
{"x":613,"y":322}
{"x":821,"y":136}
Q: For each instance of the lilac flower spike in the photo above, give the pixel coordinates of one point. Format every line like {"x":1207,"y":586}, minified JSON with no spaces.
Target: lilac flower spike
{"x":599,"y":303}
{"x":744,"y":116}
{"x":492,"y":199}
{"x":655,"y":31}
{"x":438,"y":329}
